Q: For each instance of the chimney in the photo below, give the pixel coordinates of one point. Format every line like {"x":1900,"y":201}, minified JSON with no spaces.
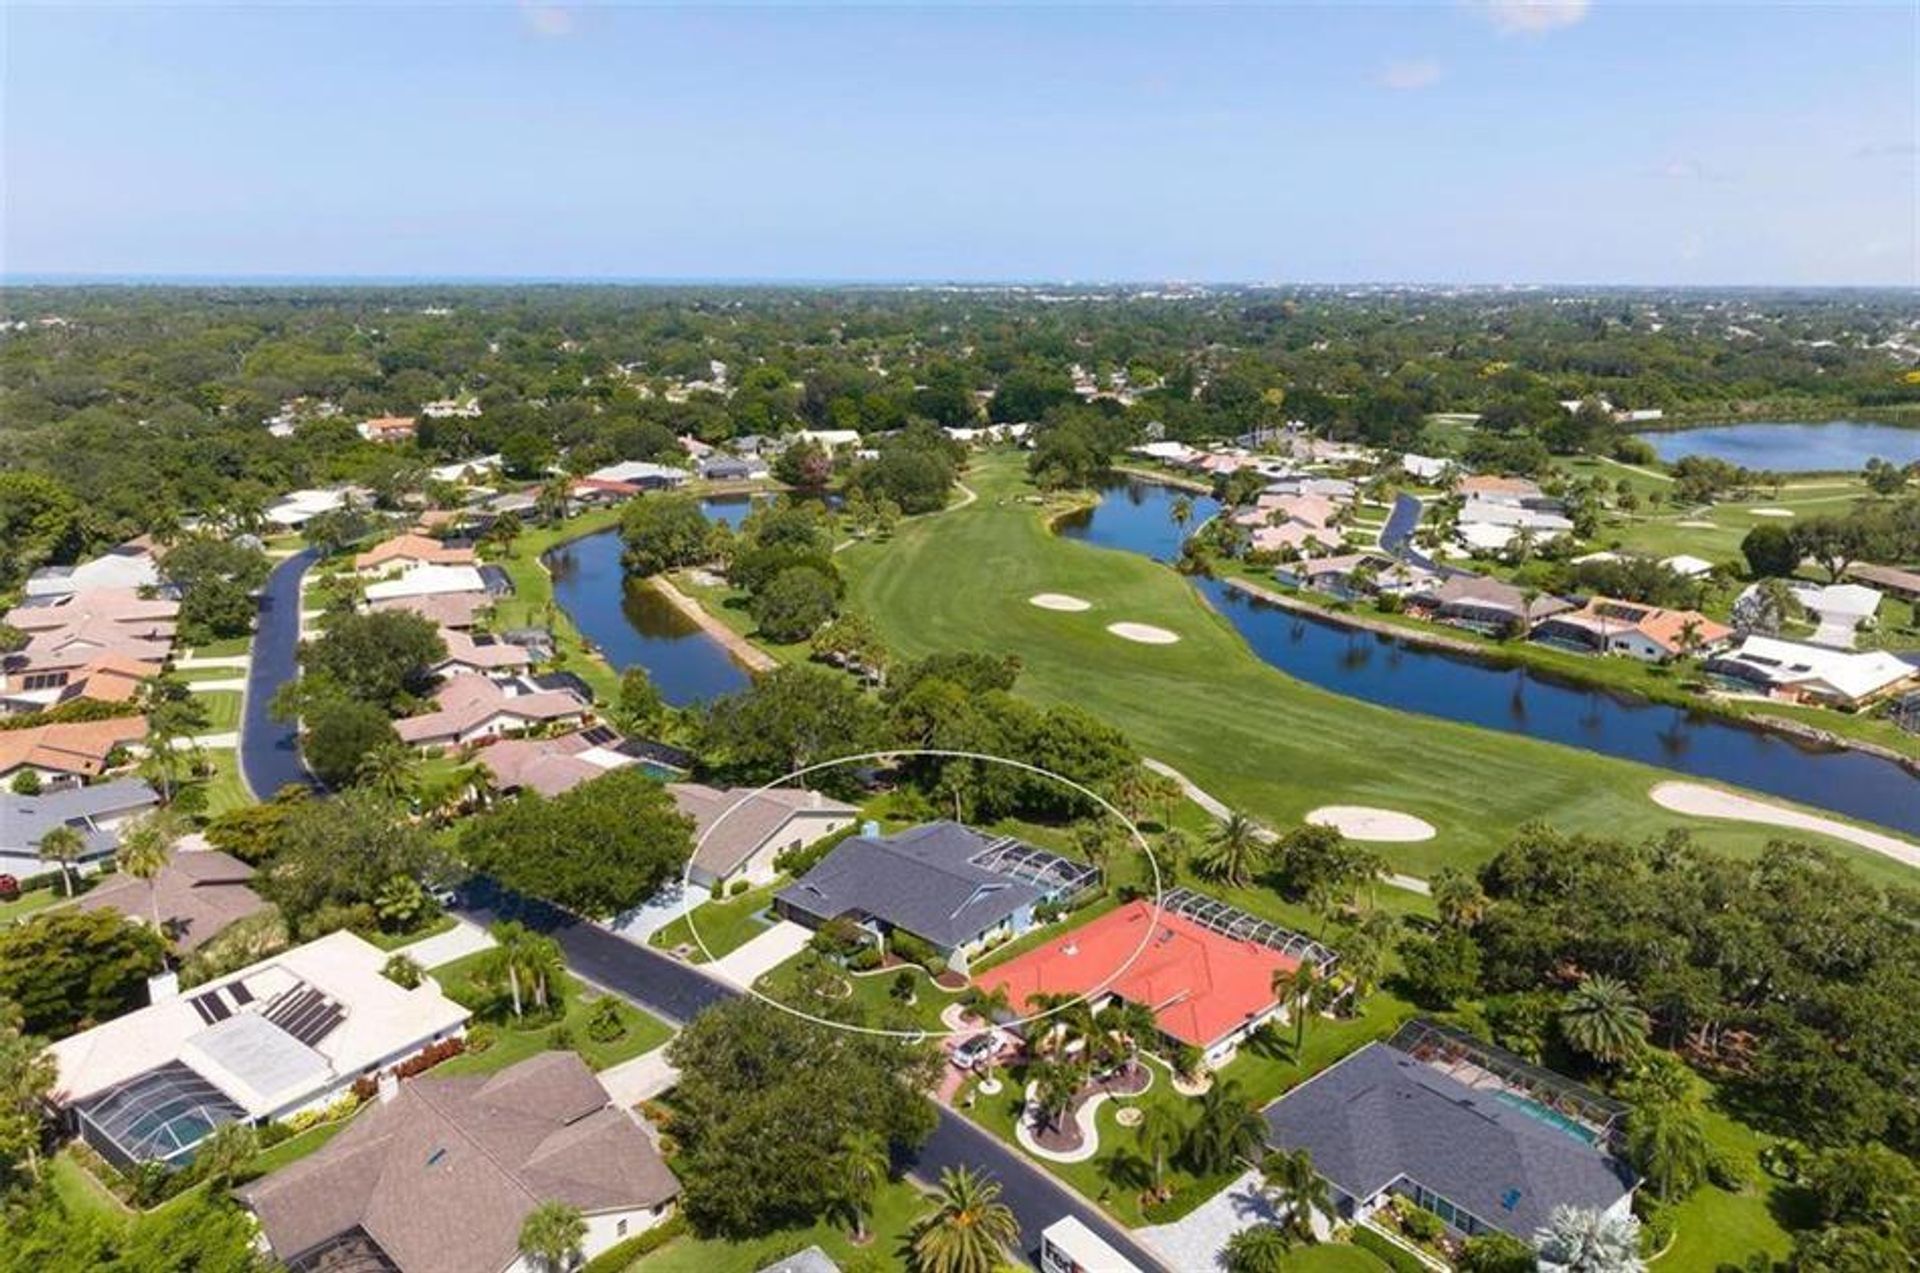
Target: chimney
{"x":389,"y":1086}
{"x":163,"y":986}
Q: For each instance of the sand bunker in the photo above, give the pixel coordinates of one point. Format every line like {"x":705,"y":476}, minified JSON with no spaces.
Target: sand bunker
{"x":1145,"y":633}
{"x":1359,"y":822}
{"x":1771,"y":512}
{"x":1711,"y":802}
{"x":1699,"y":525}
{"x":1058,"y":601}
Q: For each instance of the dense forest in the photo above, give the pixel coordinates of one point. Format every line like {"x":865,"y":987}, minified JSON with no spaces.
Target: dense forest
{"x":142,"y":407}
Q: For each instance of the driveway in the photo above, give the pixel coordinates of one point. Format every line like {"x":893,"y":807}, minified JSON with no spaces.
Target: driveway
{"x":1198,"y":1240}
{"x":747,"y":964}
{"x":463,"y":939}
{"x":676,"y":992}
{"x":641,"y":1079}
{"x":269,"y":748}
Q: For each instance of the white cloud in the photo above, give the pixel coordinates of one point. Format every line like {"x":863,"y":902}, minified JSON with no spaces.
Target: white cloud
{"x":546,"y":19}
{"x":1531,"y":17}
{"x":1407,"y":76}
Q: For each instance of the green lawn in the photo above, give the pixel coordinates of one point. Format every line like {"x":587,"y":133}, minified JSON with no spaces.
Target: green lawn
{"x":1240,"y":728}
{"x":1333,"y":1257}
{"x":725,"y":926}
{"x":1715,"y":1228}
{"x":514,"y":1042}
{"x":33,"y":901}
{"x":223,"y":709}
{"x":199,"y":675}
{"x":897,"y":1209}
{"x":394,"y":941}
{"x":873,"y":991}
{"x":224,"y":648}
{"x":82,"y":1195}
{"x":225,"y":789}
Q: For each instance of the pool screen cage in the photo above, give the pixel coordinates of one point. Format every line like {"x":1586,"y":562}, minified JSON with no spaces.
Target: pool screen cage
{"x":1049,"y":871}
{"x":157,"y":1116}
{"x":1477,"y":1063}
{"x":1230,"y":921}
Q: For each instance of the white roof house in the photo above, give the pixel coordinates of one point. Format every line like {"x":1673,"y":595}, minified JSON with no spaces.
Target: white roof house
{"x":1687,"y":566}
{"x":125,"y":568}
{"x":427,"y":581}
{"x":1426,"y":468}
{"x":466,"y":470}
{"x":832,"y":439}
{"x":1792,"y":669}
{"x":283,"y":1035}
{"x":297,"y":508}
{"x":640,"y":473}
{"x":1167,"y":452}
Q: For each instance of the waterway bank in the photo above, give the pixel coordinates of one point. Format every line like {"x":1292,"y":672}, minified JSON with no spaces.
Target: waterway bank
{"x":743,"y":650}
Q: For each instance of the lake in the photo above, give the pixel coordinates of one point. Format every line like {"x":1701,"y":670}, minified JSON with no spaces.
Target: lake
{"x":1838,"y":446}
{"x":634,"y":625}
{"x":1392,"y":672}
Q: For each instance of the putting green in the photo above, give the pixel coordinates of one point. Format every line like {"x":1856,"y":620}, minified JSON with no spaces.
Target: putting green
{"x":1241,"y":729}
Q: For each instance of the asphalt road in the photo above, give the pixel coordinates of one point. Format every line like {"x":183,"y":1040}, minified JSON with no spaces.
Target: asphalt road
{"x":676,"y":992}
{"x":269,"y":748}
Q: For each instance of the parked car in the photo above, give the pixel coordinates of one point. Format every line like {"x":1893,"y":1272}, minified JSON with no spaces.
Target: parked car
{"x":9,"y":888}
{"x":977,"y":1050}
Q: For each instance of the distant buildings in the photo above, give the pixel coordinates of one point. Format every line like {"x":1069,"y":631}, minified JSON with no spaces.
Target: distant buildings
{"x":1795,"y":672}
{"x":97,"y":813}
{"x":385,"y":429}
{"x":129,"y":567}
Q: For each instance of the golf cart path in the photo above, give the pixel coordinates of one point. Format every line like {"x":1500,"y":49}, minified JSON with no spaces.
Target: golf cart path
{"x":1218,"y":809}
{"x":1701,"y":801}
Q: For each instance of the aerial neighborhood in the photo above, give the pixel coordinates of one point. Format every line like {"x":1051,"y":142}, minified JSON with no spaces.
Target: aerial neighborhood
{"x":806,"y":801}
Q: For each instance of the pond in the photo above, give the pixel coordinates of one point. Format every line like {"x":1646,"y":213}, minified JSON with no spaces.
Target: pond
{"x":1392,"y":672}
{"x":634,"y":625}
{"x":1837,"y":446}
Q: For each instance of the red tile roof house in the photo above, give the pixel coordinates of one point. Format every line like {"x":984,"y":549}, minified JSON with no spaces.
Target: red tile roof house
{"x":442,"y":609}
{"x":439,"y":1176}
{"x":1204,"y":988}
{"x":389,"y":428}
{"x":410,"y":550}
{"x":472,"y":708}
{"x":1638,"y":631}
{"x":69,"y":752}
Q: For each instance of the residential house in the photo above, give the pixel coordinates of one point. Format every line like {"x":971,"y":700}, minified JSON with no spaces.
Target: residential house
{"x":446,"y":610}
{"x":952,"y":887}
{"x":296,"y":508}
{"x":1648,"y":633}
{"x":831,"y":439}
{"x":731,"y":468}
{"x":290,"y":1033}
{"x":427,"y":581}
{"x":69,"y":752}
{"x":1494,"y":525}
{"x":641,"y":475}
{"x":128,"y":567}
{"x":453,"y":409}
{"x":1290,"y":524}
{"x":739,"y":831}
{"x":97,"y":813}
{"x":471,"y":708}
{"x":553,"y":766}
{"x":469,"y":655}
{"x":196,"y":894}
{"x":1688,"y":566}
{"x":1841,"y":610}
{"x":1459,"y":1129}
{"x":1495,"y":489}
{"x":1206,"y":989}
{"x":1794,"y":672}
{"x":411,"y":550}
{"x":1476,"y":601}
{"x":1904,"y":584}
{"x":1358,"y":574}
{"x":387,"y":428}
{"x":1424,"y":468}
{"x":440,"y":1175}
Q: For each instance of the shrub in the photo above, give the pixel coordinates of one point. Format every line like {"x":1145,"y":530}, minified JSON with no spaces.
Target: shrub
{"x":560,"y":1037}
{"x":797,"y":862}
{"x":1395,"y":1257}
{"x":27,"y":783}
{"x":866,"y":959}
{"x":604,"y":1021}
{"x":1496,"y":1253}
{"x":1422,"y":1225}
{"x":1656,"y":1223}
{"x":481,"y":1037}
{"x":1728,"y":1172}
{"x":840,"y":939}
{"x":622,"y":1255}
{"x":403,"y":971}
{"x":738,"y":887}
{"x":912,"y":949}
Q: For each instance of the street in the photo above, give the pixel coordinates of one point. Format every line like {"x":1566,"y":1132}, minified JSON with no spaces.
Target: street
{"x":269,"y":748}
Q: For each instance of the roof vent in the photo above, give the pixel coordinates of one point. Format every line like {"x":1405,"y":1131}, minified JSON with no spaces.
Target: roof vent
{"x":435,"y":1158}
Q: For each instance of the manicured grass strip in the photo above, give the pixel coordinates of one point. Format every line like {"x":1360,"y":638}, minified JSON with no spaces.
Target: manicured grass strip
{"x":223,"y":709}
{"x":897,"y":1209}
{"x":516,"y":1041}
{"x":224,"y":648}
{"x":225,"y":790}
{"x":725,"y":926}
{"x":1248,"y":733}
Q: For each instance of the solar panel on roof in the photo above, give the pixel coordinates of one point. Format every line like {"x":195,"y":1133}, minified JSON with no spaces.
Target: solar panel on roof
{"x":240,"y":992}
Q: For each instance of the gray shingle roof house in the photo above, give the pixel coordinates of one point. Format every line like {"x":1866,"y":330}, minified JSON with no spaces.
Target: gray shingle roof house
{"x":95,"y":812}
{"x":1383,"y":1122}
{"x":944,"y":883}
{"x":740,"y":831}
{"x":439,"y":1176}
{"x":196,"y":894}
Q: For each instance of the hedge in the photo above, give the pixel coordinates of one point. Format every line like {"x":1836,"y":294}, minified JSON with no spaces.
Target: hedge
{"x":1397,"y":1257}
{"x":617,"y":1257}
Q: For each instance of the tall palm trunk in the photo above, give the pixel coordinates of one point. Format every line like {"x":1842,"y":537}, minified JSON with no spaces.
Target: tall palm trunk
{"x":513,"y":983}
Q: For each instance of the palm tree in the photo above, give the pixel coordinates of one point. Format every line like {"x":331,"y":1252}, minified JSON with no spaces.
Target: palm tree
{"x":389,"y":769}
{"x":1055,"y":1083}
{"x":1232,"y":851}
{"x":1176,"y":846}
{"x":1363,"y":955}
{"x":146,"y":846}
{"x":221,"y":1156}
{"x":1582,"y":1240}
{"x":1458,"y":897}
{"x":551,"y":1235}
{"x":990,"y":1004}
{"x":1666,"y":1133}
{"x":63,"y":845}
{"x":27,"y":1073}
{"x":551,"y":500}
{"x":970,"y":1229}
{"x":1263,"y":1248}
{"x":521,"y":957}
{"x":1296,"y":1188}
{"x":1601,"y":1020}
{"x":1160,"y":1137}
{"x":859,"y":1169}
{"x":1298,"y":987}
{"x":1227,"y":1127}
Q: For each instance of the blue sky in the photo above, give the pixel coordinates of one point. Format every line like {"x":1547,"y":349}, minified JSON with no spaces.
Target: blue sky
{"x":1444,"y":142}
